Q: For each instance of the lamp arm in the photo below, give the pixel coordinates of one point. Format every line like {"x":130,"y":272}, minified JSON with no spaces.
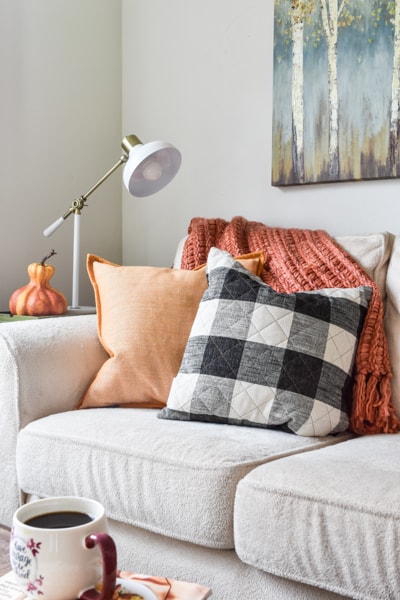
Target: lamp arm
{"x":121,"y":161}
{"x":79,"y":203}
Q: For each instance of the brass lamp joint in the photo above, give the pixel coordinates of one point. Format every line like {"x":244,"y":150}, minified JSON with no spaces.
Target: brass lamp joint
{"x":78,"y":204}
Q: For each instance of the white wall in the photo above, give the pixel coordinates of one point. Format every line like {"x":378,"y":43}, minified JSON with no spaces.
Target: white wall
{"x":199,"y":74}
{"x":60,"y":128}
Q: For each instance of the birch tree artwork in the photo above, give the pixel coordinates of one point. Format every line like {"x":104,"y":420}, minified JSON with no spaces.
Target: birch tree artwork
{"x":336,"y":96}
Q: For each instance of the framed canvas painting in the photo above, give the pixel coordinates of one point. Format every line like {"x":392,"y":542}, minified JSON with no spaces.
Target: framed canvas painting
{"x":336,"y":96}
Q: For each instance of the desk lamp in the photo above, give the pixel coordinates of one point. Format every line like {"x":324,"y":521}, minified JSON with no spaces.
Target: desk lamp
{"x":148,"y":168}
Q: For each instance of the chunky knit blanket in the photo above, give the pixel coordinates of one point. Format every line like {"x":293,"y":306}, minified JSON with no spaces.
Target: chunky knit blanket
{"x":298,"y":260}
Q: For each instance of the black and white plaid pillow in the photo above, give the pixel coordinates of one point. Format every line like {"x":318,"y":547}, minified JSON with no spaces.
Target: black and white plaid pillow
{"x":267,"y":359}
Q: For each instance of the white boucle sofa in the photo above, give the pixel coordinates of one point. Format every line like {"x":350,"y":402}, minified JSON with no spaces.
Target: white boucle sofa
{"x":253,"y":513}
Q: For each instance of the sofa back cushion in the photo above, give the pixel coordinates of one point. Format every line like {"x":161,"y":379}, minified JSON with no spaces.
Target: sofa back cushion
{"x":379,"y":255}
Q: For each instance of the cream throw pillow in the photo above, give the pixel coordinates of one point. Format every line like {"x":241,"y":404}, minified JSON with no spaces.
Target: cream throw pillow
{"x":144,"y":319}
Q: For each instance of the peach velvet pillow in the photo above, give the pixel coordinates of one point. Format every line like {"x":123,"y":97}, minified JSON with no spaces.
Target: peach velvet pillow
{"x":144,"y":317}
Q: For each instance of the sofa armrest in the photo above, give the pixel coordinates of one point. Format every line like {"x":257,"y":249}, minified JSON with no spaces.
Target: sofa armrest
{"x":46,"y":365}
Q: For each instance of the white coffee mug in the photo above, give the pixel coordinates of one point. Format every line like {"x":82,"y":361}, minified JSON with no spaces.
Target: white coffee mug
{"x":60,"y":550}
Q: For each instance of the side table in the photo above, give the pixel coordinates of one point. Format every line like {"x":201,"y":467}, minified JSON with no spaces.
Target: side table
{"x":6,"y":317}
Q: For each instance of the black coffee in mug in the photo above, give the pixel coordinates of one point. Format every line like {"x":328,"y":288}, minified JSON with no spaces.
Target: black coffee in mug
{"x":59,"y":520}
{"x":60,"y":546}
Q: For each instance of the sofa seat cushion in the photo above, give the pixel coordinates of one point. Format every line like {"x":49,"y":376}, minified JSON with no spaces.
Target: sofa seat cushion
{"x":164,"y":476}
{"x":329,"y":518}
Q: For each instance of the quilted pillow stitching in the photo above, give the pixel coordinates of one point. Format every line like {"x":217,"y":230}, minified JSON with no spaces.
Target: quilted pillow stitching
{"x":261,"y":358}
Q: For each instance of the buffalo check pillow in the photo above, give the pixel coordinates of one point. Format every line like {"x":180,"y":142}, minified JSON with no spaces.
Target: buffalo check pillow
{"x":261,"y":358}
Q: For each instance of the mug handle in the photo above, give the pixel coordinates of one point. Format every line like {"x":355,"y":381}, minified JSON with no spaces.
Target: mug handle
{"x":109,"y":555}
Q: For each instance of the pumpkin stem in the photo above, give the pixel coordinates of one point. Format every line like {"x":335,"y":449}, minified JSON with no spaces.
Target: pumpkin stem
{"x":43,"y":261}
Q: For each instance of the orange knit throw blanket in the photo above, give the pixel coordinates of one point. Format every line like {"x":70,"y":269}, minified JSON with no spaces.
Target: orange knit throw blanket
{"x":298,"y":260}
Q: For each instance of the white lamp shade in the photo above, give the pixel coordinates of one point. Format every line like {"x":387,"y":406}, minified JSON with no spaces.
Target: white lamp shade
{"x":150,"y":167}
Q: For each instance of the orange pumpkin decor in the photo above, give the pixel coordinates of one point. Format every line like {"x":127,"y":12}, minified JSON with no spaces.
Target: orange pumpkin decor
{"x":38,"y":298}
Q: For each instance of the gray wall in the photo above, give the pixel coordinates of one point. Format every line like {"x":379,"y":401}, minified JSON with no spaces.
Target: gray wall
{"x":60,"y":111}
{"x":196,"y":73}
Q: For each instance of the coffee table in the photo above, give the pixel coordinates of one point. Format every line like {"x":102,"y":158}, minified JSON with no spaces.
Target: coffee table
{"x":4,"y":544}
